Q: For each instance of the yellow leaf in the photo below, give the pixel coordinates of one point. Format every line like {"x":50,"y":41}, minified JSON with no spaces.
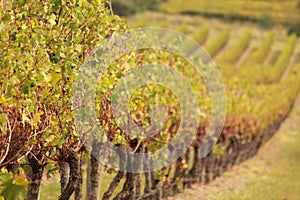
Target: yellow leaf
{"x":24,"y":27}
{"x":52,"y":19}
{"x":3,"y":100}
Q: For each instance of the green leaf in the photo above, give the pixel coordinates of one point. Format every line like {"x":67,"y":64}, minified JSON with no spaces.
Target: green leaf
{"x":2,"y":119}
{"x":14,"y":189}
{"x":2,"y":26}
{"x":55,"y":77}
{"x":20,"y":181}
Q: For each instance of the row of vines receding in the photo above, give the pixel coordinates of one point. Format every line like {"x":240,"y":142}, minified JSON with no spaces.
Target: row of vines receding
{"x":45,"y":43}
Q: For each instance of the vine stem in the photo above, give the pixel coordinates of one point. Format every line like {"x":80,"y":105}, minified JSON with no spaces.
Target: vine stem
{"x":9,"y":140}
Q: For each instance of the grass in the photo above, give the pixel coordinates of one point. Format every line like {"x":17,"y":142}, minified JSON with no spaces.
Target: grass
{"x":261,"y":10}
{"x":215,"y":26}
{"x":50,"y":190}
{"x":274,"y":57}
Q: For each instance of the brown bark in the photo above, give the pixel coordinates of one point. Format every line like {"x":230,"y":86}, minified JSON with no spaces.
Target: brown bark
{"x":217,"y":166}
{"x":128,"y":187}
{"x":196,"y":171}
{"x":116,"y":180}
{"x":64,"y":175}
{"x":78,"y":191}
{"x":186,"y":181}
{"x":35,"y":176}
{"x":235,"y":151}
{"x":177,"y":175}
{"x":94,"y":172}
{"x":136,"y":164}
{"x":114,"y":184}
{"x":208,"y":166}
{"x":88,"y":179}
{"x":148,"y":183}
{"x":74,"y":178}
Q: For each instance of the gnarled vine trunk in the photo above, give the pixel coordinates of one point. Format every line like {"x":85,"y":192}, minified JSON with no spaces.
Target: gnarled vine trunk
{"x":74,"y":178}
{"x":64,"y":174}
{"x":35,"y":176}
{"x":78,"y":191}
{"x":93,"y":179}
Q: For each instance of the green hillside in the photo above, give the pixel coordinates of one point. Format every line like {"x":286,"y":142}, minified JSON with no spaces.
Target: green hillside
{"x":280,"y":11}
